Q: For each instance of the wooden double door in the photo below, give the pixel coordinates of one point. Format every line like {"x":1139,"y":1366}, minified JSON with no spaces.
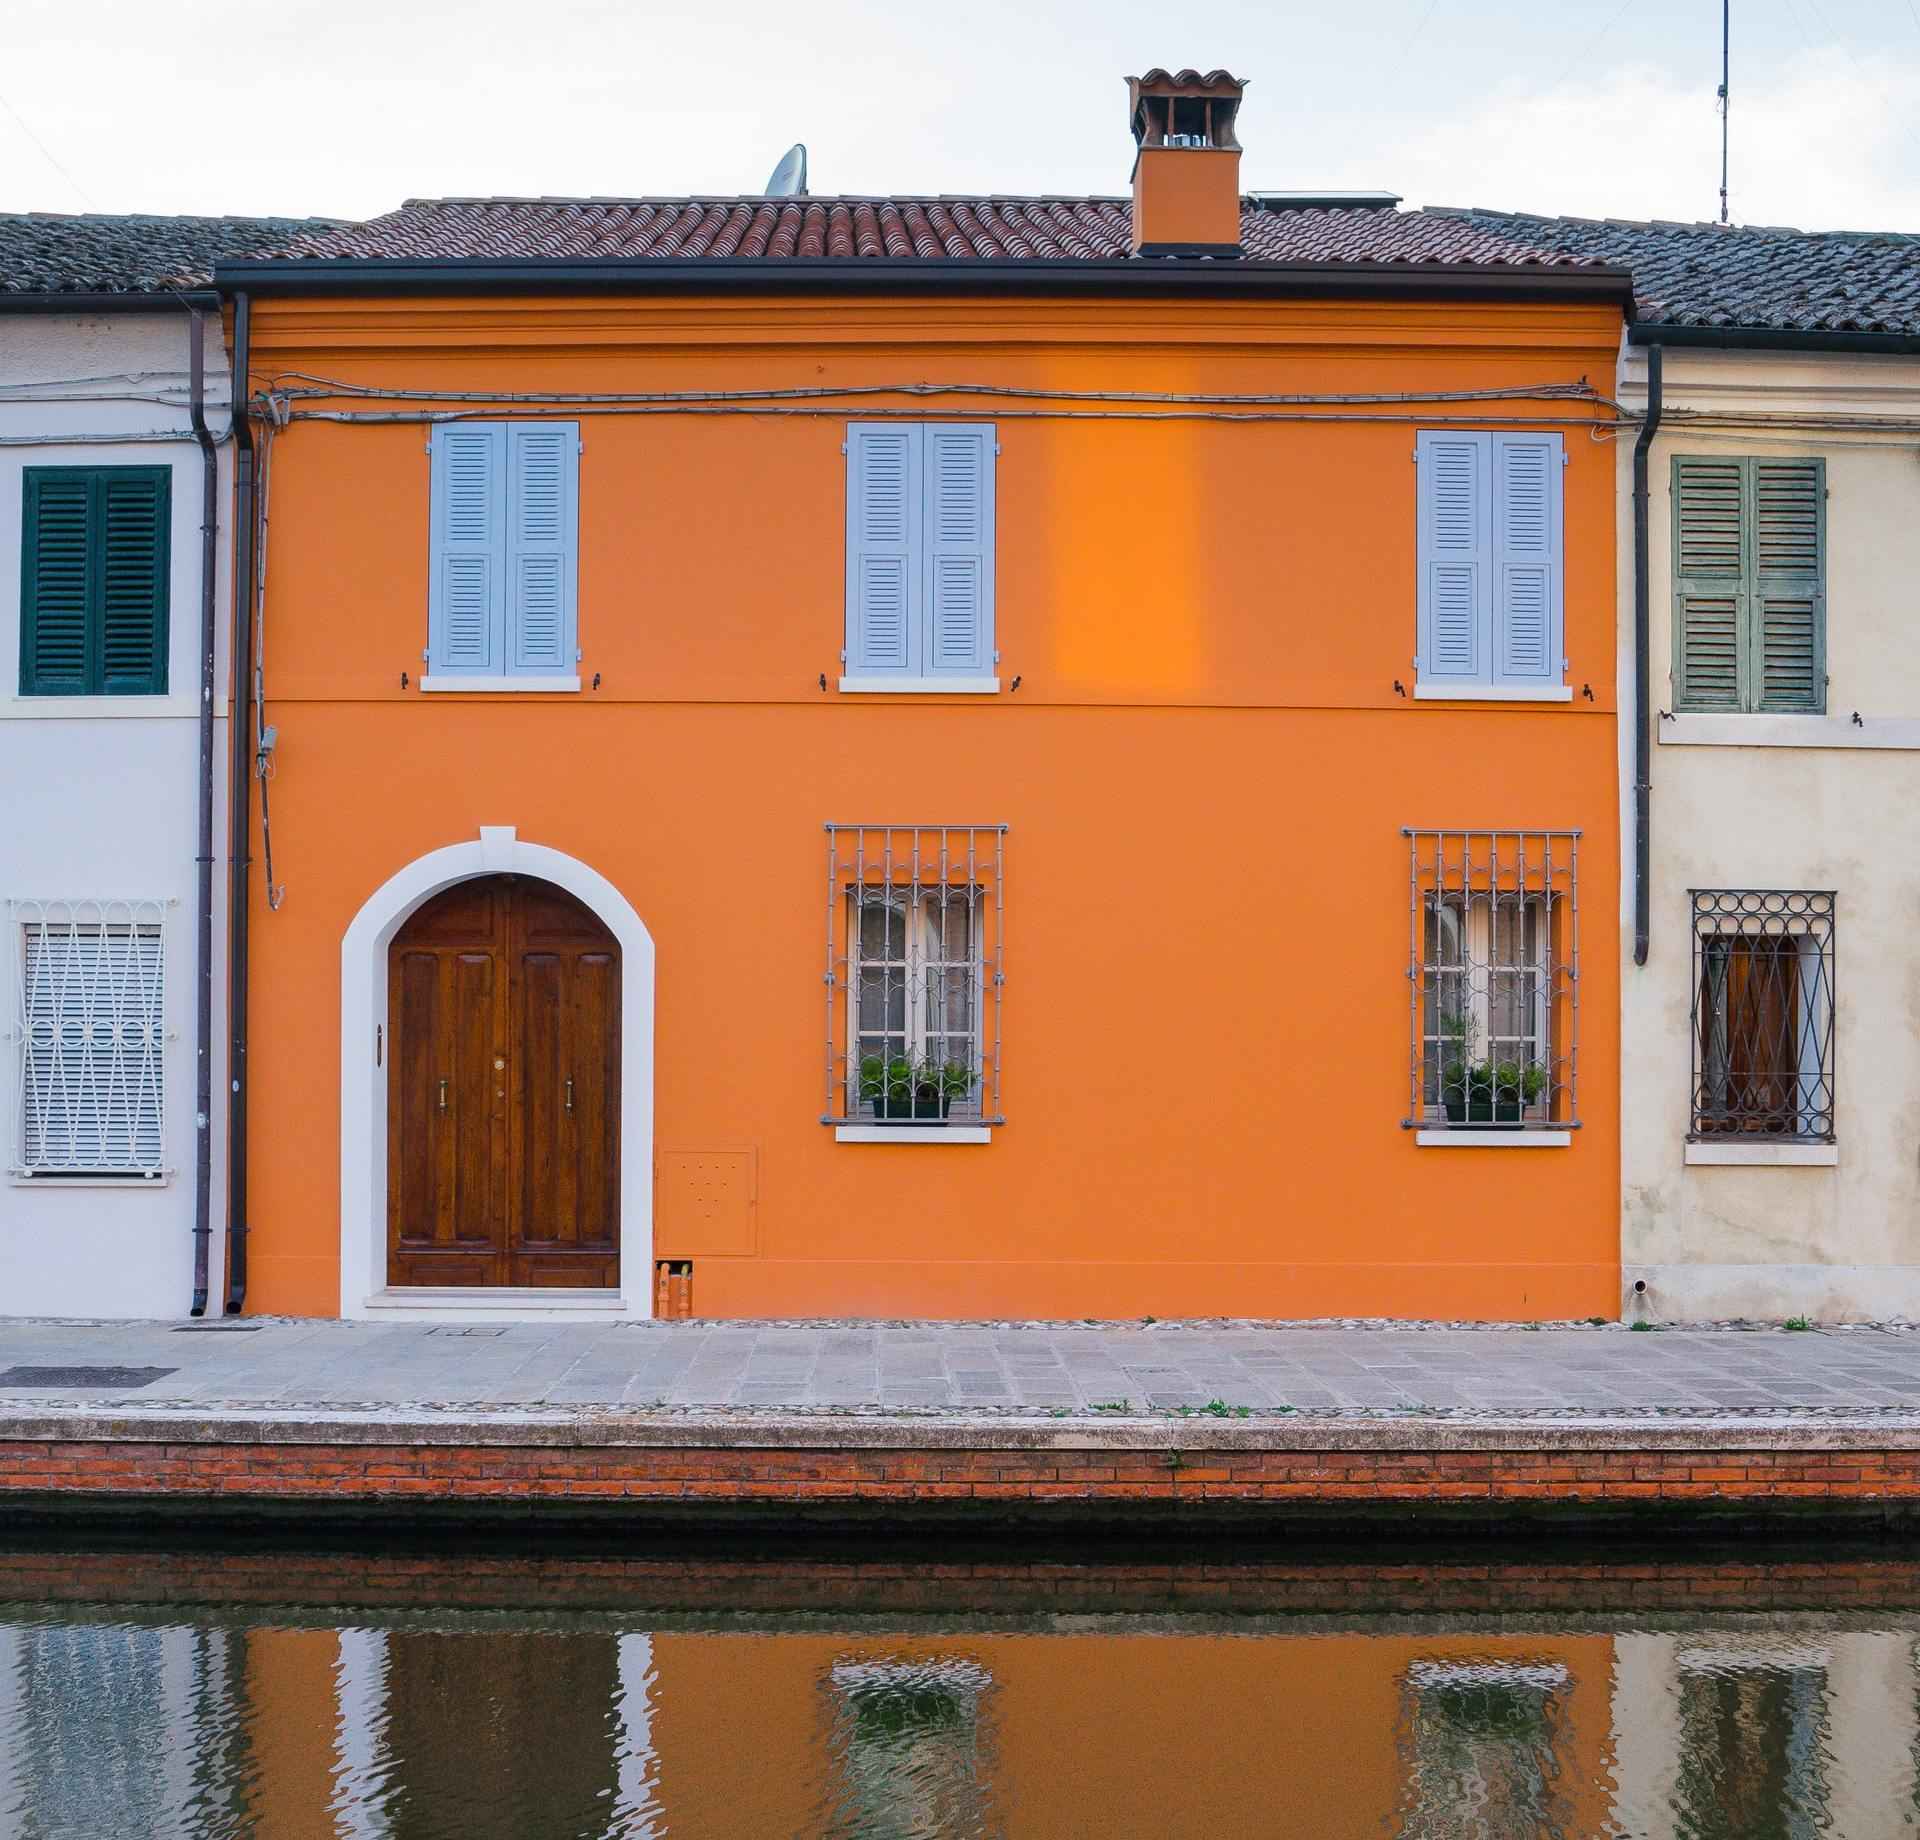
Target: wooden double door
{"x":503,"y":1091}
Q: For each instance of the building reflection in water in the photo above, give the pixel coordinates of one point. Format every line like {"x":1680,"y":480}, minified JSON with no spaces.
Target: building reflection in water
{"x":413,"y":1726}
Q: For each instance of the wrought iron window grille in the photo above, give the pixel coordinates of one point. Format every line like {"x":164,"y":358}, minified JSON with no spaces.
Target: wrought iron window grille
{"x":1762,"y":1021}
{"x":915,"y":969}
{"x":1493,"y":977}
{"x":90,"y":1034}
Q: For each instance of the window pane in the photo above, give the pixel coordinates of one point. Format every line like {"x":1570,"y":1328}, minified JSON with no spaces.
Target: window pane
{"x":883,"y":929}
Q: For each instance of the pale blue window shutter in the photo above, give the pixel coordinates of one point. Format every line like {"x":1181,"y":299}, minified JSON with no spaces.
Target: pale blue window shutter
{"x":1454,"y":533}
{"x":1527,"y":562}
{"x":959,"y":548}
{"x":466,"y":622}
{"x":542,"y":524}
{"x":884,"y":588}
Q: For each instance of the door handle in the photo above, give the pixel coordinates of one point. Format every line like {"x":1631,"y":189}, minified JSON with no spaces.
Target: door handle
{"x":569,"y":1095}
{"x":443,"y":1095}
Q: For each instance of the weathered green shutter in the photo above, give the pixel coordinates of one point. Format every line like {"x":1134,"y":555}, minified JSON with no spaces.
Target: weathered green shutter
{"x":1787,"y":601}
{"x":93,"y":592}
{"x":1749,"y":584}
{"x":1709,"y":581}
{"x":55,"y":549}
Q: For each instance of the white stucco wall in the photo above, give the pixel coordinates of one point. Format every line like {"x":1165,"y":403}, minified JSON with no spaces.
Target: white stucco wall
{"x":1840,"y":1242}
{"x":99,"y":799}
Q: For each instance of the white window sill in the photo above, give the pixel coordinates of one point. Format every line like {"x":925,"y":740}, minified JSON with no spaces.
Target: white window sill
{"x":920,"y":686}
{"x":1789,"y":731}
{"x":112,"y":708}
{"x":1492,"y":693}
{"x":18,"y":1178}
{"x":454,"y":681}
{"x":912,"y":1134}
{"x":1763,"y":1156}
{"x":1493,"y":1140}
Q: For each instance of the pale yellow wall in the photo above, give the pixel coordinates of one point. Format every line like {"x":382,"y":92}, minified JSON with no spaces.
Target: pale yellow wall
{"x":1833,"y":1243}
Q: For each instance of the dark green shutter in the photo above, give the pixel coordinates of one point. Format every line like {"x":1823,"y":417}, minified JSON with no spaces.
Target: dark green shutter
{"x":1749,"y":584}
{"x":1788,"y":619}
{"x":93,"y":591}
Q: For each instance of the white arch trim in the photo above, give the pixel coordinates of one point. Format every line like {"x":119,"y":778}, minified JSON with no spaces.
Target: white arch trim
{"x":363,"y":1090}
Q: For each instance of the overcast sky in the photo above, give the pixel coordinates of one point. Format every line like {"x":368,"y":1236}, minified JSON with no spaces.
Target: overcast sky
{"x":345,"y":107}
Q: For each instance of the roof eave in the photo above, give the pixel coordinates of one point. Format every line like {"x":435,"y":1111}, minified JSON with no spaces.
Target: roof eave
{"x":1568,"y":284}
{"x":147,"y":300}
{"x":1773,"y":338}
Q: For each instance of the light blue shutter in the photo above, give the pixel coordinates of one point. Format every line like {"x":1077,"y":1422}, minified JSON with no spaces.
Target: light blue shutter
{"x":959,"y":547}
{"x":542,"y":543}
{"x":883,"y":541}
{"x":1454,"y":530}
{"x":466,"y":623}
{"x":1527,"y":568}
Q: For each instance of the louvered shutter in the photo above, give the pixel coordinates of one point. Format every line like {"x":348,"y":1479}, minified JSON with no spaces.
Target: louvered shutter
{"x":55,"y":585}
{"x":1455,"y":541}
{"x":1526,"y":637}
{"x":959,"y":549}
{"x":1709,"y":582}
{"x":542,"y":544}
{"x":1787,"y":622}
{"x":133,"y":580}
{"x":93,"y":1039}
{"x":94,"y":567}
{"x":466,"y":624}
{"x":884,"y":589}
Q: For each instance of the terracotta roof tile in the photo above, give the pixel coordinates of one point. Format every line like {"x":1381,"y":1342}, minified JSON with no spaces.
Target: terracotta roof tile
{"x":984,"y":229}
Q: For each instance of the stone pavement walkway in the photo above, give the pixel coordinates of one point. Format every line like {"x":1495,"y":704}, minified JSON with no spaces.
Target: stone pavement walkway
{"x":1007,"y":1368}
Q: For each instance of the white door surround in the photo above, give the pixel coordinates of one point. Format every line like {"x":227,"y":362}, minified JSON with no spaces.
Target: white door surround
{"x":363,"y":1088}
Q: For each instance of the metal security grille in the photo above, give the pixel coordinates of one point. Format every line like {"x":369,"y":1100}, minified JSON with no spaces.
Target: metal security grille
{"x":89,"y":995}
{"x":1763,"y":1014}
{"x":915,"y":931}
{"x":1493,"y":974}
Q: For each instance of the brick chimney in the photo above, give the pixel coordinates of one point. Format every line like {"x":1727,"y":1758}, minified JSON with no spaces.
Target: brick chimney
{"x":1186,"y":174}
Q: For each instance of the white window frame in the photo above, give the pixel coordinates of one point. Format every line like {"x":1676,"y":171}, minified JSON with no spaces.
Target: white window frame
{"x":915,"y":967}
{"x":127,"y":1019}
{"x":1477,"y":947}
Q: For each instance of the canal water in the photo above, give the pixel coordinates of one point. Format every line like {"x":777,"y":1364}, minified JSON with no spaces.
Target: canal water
{"x":268,"y":1692}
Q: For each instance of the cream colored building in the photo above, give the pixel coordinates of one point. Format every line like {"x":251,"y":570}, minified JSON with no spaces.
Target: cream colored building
{"x":1785,"y":1217}
{"x":1770,"y":1011}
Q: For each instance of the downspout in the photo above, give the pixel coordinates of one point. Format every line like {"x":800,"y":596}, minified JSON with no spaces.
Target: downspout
{"x":1642,"y":668}
{"x":240,"y":813}
{"x":203,"y":911}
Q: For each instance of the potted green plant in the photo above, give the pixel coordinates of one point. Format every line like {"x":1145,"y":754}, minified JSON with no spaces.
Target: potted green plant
{"x":1493,"y":1093}
{"x":905,"y":1091}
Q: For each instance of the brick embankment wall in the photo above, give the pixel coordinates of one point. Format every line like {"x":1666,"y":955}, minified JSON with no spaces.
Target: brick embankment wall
{"x":988,"y":1471}
{"x":1339,"y":1591}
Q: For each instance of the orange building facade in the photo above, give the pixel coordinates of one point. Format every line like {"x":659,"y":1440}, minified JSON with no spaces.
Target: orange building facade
{"x":597,"y":998}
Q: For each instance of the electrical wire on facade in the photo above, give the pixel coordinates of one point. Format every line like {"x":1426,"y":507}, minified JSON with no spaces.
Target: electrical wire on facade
{"x":127,"y":438}
{"x":430,"y":417}
{"x":1579,"y":390}
{"x":265,"y":737}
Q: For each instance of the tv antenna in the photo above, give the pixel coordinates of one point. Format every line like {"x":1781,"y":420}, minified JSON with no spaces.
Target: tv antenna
{"x":790,"y":176}
{"x":1726,"y":41}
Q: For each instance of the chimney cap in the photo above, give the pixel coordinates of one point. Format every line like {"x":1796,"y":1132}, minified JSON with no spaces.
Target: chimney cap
{"x":1219,"y":91}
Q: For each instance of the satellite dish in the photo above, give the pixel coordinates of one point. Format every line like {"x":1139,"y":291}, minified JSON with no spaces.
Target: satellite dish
{"x":790,"y":176}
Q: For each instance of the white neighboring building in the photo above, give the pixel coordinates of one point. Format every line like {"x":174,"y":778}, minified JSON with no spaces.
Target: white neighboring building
{"x":101,"y":613}
{"x":1771,"y":1037}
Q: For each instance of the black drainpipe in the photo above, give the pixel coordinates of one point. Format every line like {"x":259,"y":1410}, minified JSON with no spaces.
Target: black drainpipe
{"x":203,"y":913}
{"x":1642,"y":669}
{"x":240,"y":816}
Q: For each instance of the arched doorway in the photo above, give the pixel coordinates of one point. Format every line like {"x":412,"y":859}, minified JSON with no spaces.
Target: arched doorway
{"x":504,"y":1023}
